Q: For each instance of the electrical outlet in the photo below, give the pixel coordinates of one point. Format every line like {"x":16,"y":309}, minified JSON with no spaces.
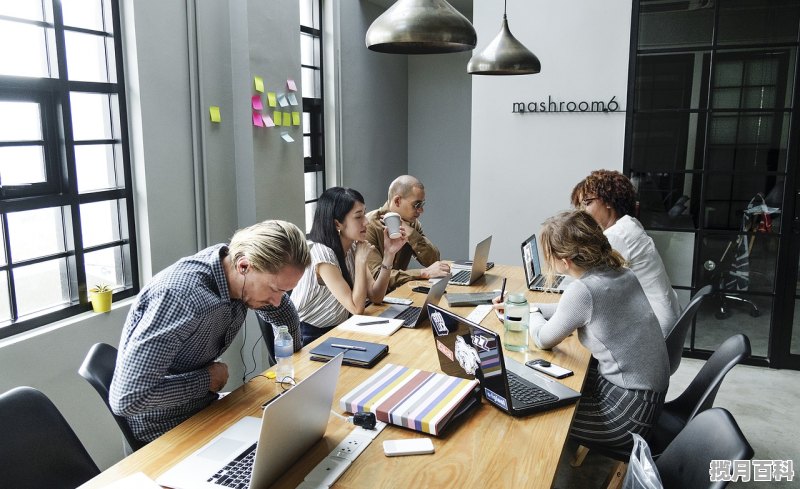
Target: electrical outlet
{"x":351,"y":447}
{"x":327,"y":471}
{"x":371,"y":434}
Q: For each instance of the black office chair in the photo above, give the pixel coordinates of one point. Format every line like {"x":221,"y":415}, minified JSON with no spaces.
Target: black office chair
{"x":98,"y":369}
{"x":677,"y":336}
{"x":269,"y":338}
{"x":39,"y":448}
{"x":711,"y":435}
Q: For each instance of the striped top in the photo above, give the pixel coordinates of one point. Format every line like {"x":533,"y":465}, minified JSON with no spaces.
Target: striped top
{"x":315,"y":303}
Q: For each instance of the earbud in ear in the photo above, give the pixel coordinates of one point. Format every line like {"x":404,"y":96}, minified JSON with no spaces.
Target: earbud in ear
{"x":243,"y":270}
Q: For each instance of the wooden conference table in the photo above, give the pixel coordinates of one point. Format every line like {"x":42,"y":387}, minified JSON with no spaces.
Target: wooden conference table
{"x":488,"y":449}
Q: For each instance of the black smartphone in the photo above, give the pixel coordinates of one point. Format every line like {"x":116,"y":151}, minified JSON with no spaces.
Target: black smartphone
{"x":548,"y":368}
{"x":421,"y":289}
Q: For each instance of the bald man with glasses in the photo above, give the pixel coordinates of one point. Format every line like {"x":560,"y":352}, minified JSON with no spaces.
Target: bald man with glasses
{"x":407,"y":198}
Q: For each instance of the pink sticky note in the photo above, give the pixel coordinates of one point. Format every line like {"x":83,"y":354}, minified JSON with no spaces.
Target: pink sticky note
{"x":268,"y":122}
{"x":257,"y":104}
{"x":257,"y":120}
{"x":292,"y":86}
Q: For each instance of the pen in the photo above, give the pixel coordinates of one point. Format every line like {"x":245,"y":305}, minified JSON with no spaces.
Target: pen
{"x":372,"y":322}
{"x":348,"y":347}
{"x":502,"y":289}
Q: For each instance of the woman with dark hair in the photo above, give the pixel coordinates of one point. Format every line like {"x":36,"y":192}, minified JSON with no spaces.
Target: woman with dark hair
{"x":605,"y":304}
{"x":610,"y":198}
{"x":338,"y":281}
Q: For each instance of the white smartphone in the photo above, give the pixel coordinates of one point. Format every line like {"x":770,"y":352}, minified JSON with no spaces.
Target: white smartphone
{"x":410,"y":446}
{"x":548,"y":368}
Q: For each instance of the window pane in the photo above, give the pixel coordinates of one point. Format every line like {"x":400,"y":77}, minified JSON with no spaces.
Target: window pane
{"x":5,"y":308}
{"x":22,"y":10}
{"x":752,"y":21}
{"x":668,"y":200}
{"x":104,"y":267}
{"x":711,"y":329}
{"x":100,"y":222}
{"x":676,"y":250}
{"x":310,"y":209}
{"x":672,"y":81}
{"x":310,"y":87}
{"x":313,"y":185}
{"x":83,"y":13}
{"x":21,"y":121}
{"x":36,"y":233}
{"x":22,"y":49}
{"x":41,"y":286}
{"x":2,"y":246}
{"x":677,"y":24}
{"x":20,"y":165}
{"x":86,"y":57}
{"x":748,"y":141}
{"x":306,"y":122}
{"x":309,"y":50}
{"x":668,"y":141}
{"x":96,"y":167}
{"x":727,"y":197}
{"x":91,"y":116}
{"x":309,"y":13}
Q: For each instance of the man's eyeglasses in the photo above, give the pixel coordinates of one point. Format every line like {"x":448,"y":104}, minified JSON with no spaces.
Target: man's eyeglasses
{"x":419,"y":204}
{"x":586,"y":202}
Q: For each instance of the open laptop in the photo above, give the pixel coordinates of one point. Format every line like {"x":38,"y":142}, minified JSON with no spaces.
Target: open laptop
{"x":283,"y":434}
{"x":470,"y":351}
{"x":413,"y":316}
{"x":533,"y":270}
{"x":479,"y":260}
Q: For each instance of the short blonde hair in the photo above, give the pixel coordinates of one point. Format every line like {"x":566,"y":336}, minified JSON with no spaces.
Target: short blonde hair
{"x":271,"y":245}
{"x":575,"y":235}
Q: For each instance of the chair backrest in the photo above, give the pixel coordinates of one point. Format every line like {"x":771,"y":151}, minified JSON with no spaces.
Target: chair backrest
{"x":699,"y":395}
{"x":98,"y":369}
{"x":711,"y":435}
{"x":677,"y":336}
{"x":39,"y":448}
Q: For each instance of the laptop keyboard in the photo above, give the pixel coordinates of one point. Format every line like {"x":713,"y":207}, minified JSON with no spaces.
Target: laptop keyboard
{"x":410,"y":315}
{"x":461,"y":277}
{"x":527,"y":393}
{"x":237,"y":473}
{"x":541,"y":280}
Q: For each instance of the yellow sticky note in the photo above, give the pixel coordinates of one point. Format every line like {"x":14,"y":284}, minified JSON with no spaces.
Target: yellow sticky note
{"x":272,"y":99}
{"x":215,"y":115}
{"x":295,"y":118}
{"x":259,"y":83}
{"x":287,"y":119}
{"x":276,"y":118}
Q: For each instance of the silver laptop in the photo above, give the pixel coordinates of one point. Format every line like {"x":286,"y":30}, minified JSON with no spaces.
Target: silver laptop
{"x":283,"y":434}
{"x":479,"y":260}
{"x":468,"y":350}
{"x":413,"y":316}
{"x":533,"y":270}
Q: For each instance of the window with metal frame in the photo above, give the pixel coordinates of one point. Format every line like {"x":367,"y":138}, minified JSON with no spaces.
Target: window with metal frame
{"x":313,"y":128}
{"x":66,"y":202}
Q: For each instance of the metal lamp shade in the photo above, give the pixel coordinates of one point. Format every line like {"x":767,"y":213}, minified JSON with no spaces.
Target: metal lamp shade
{"x":504,"y":56}
{"x":421,"y":27}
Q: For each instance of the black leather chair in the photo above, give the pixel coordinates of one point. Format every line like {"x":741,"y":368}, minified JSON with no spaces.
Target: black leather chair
{"x":711,"y":435}
{"x":98,"y":369}
{"x":39,"y":448}
{"x":677,"y":336}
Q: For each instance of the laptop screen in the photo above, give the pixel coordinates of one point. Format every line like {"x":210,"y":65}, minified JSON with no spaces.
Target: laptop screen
{"x":530,"y":259}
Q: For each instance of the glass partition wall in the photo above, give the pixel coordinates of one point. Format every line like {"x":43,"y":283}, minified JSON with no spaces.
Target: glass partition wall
{"x":712,"y":145}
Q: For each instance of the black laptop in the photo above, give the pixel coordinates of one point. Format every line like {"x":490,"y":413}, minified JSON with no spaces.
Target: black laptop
{"x":414,"y":316}
{"x":470,"y":351}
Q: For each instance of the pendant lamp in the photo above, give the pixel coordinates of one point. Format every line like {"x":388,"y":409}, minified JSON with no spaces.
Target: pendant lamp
{"x":504,"y":56}
{"x":421,"y":27}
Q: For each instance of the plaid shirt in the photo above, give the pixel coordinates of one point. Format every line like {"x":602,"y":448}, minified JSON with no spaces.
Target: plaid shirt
{"x":181,"y":322}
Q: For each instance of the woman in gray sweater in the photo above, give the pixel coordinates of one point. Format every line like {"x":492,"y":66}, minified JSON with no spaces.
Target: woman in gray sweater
{"x":625,"y":386}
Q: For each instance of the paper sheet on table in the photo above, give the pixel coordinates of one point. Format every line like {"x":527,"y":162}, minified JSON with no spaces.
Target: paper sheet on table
{"x":386,"y":328}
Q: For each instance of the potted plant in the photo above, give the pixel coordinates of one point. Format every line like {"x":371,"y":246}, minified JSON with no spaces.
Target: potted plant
{"x":100,"y":295}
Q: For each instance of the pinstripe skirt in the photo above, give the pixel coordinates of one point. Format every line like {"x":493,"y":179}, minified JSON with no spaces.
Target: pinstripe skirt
{"x":608,"y":414}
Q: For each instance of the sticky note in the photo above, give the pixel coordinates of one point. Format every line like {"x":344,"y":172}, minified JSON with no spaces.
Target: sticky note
{"x":259,"y":83}
{"x":268,"y":122}
{"x":286,"y":137}
{"x":295,"y":118}
{"x":257,"y":104}
{"x":276,"y":116}
{"x":257,"y":120}
{"x":282,"y":100}
{"x":215,"y":115}
{"x":287,"y":119}
{"x":292,"y":86}
{"x":273,"y":101}
{"x":292,"y":99}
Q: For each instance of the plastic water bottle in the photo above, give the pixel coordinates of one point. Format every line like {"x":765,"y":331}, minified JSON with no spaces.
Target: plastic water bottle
{"x":516,"y":322}
{"x":284,"y":348}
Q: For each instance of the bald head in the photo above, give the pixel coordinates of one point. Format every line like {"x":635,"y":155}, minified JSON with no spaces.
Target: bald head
{"x":403,"y":186}
{"x":407,"y":197}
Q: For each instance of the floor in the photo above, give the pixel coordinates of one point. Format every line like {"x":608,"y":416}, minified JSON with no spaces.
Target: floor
{"x":763,"y":401}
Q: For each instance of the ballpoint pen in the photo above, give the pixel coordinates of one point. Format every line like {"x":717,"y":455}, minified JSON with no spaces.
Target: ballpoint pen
{"x":502,"y":289}
{"x":348,"y":347}
{"x":384,"y":321}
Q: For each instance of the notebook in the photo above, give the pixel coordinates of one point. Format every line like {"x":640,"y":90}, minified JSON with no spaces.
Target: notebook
{"x":533,"y":270}
{"x":415,"y":399}
{"x":359,"y":323}
{"x":362,"y":354}
{"x":284,"y":435}
{"x":468,"y":350}
{"x":413,"y":316}
{"x":478,"y":268}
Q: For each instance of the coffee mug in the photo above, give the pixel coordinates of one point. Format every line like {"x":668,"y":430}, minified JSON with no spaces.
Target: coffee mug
{"x":392,"y":221}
